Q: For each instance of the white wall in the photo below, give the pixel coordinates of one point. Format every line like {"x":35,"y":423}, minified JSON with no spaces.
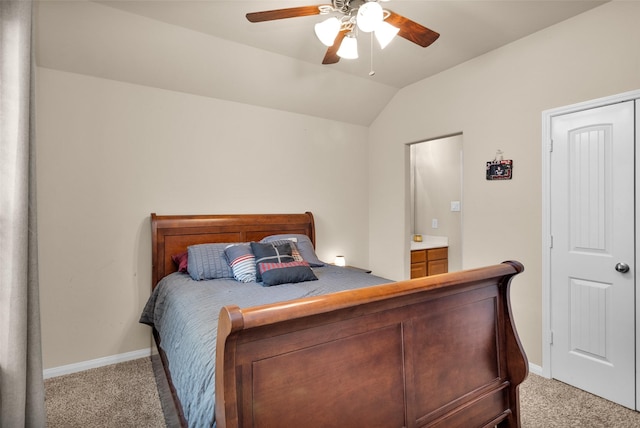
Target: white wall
{"x":496,"y":100}
{"x":110,"y":153}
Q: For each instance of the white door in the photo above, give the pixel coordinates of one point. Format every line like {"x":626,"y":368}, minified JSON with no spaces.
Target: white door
{"x":593,"y":235}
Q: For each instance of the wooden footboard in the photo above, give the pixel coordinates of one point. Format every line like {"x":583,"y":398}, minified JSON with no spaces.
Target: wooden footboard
{"x":435,"y":351}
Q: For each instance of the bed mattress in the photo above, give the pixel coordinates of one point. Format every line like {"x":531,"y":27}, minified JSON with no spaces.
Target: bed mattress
{"x":185,"y":313}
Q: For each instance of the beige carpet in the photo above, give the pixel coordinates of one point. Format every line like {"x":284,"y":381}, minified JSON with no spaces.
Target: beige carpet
{"x":125,"y":395}
{"x":120,"y":395}
{"x":549,"y":403}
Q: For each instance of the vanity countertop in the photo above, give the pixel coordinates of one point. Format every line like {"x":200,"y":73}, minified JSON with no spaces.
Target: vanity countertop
{"x":429,"y":241}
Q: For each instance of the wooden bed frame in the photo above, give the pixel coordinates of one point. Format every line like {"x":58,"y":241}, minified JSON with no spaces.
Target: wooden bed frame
{"x":439,"y":351}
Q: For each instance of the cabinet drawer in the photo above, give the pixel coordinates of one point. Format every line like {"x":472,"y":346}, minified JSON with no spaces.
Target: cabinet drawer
{"x":418,"y":256}
{"x":436,"y":267}
{"x":437,"y":253}
{"x":418,"y":270}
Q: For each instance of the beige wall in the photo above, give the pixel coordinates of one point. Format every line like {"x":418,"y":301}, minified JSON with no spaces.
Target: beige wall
{"x":110,"y":153}
{"x":496,"y":101}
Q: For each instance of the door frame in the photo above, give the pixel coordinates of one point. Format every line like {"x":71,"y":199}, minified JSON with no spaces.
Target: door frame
{"x":547,"y":117}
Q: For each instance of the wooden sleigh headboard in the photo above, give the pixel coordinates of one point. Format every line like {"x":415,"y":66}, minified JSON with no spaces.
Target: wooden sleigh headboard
{"x":172,"y":234}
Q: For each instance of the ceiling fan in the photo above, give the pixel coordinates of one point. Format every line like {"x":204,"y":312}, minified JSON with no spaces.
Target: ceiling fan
{"x":347,"y":18}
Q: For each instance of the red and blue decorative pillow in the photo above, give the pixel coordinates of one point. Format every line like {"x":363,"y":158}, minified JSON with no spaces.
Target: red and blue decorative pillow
{"x":286,"y":273}
{"x":275,"y":264}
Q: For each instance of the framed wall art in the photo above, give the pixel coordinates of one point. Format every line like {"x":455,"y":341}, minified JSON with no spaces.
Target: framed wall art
{"x":499,"y":169}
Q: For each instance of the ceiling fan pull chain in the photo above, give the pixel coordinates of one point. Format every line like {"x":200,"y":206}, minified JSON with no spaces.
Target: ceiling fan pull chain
{"x":371,"y":72}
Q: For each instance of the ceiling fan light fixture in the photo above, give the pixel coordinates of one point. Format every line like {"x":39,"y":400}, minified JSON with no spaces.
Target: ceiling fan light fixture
{"x":370,"y":16}
{"x":353,"y":17}
{"x":348,"y":48}
{"x":385,"y":33}
{"x":327,"y":30}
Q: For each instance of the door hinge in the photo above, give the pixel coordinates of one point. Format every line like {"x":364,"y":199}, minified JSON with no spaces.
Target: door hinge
{"x":551,"y":241}
{"x":551,"y":145}
{"x":551,"y":337}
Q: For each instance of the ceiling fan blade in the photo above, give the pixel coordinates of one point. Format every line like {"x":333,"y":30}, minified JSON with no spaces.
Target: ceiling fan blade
{"x":412,"y":31}
{"x":331,"y":57}
{"x":292,"y":12}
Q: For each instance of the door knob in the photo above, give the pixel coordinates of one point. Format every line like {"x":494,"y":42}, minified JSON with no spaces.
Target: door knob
{"x":622,"y":267}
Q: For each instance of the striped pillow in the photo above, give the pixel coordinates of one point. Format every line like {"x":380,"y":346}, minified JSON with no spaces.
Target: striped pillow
{"x":242,"y":262}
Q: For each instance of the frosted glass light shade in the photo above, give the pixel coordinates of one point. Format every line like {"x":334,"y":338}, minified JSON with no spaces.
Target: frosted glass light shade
{"x":369,"y":16}
{"x":340,"y":261}
{"x":327,"y":30}
{"x":385,"y":33}
{"x":348,"y":48}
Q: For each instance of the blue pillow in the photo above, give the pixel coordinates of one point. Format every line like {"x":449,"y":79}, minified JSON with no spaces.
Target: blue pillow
{"x":207,"y":261}
{"x":242,"y":262}
{"x":304,"y":245}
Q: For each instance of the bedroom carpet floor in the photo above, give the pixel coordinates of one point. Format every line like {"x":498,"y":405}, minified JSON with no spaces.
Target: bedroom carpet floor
{"x":119,"y":395}
{"x":125,"y":395}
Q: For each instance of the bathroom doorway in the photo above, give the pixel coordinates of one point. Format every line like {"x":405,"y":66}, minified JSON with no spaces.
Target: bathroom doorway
{"x":436,"y":193}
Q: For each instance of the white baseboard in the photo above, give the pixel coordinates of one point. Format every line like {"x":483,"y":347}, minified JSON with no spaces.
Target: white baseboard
{"x":535,"y":369}
{"x":134,"y":355}
{"x":98,"y":362}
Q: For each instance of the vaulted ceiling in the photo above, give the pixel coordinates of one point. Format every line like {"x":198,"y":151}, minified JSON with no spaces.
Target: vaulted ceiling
{"x":207,"y":47}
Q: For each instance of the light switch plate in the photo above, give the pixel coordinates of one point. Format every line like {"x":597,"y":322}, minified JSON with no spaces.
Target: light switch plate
{"x":455,"y":205}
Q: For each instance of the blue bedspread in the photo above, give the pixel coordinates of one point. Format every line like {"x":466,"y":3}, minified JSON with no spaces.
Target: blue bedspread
{"x":185,"y":313}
